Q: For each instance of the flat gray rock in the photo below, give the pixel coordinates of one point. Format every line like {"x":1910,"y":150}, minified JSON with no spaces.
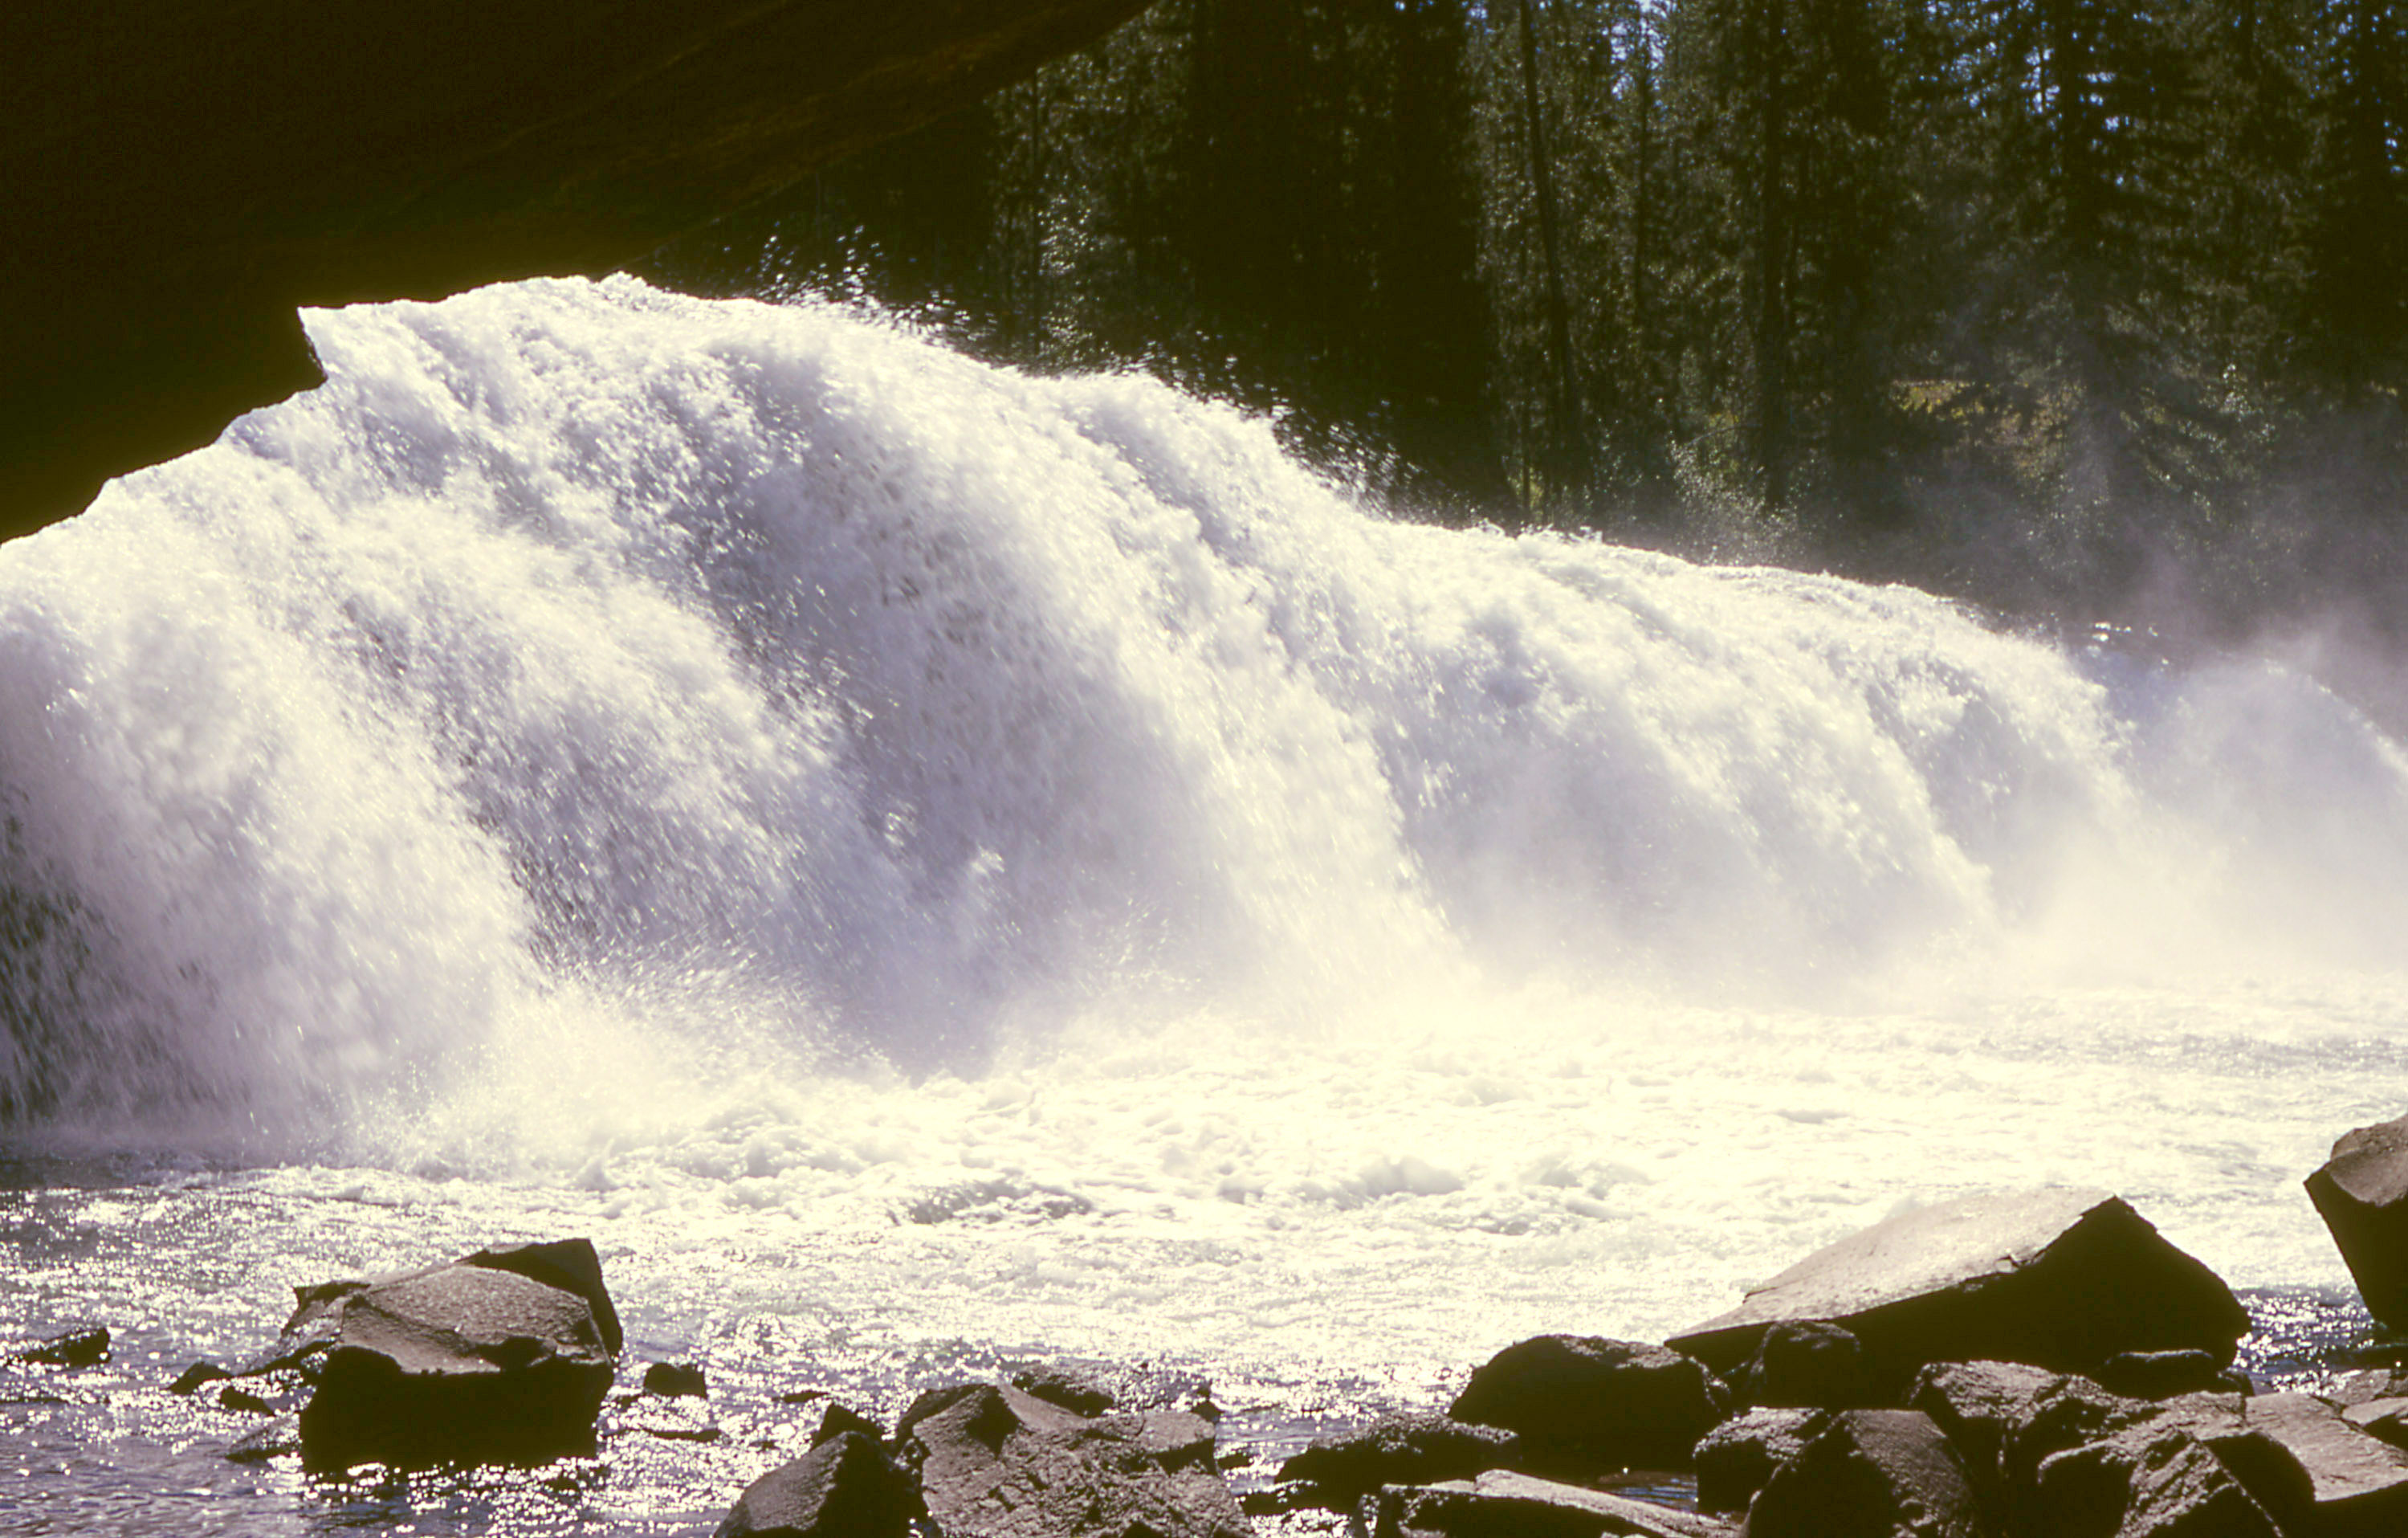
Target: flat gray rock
{"x":2059,"y":1278}
{"x":458,"y":1364}
{"x":996,"y":1463}
{"x":2360,"y":1482}
{"x":1420,"y":1448}
{"x":1502,"y":1504}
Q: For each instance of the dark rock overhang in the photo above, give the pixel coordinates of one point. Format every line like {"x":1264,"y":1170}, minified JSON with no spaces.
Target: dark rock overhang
{"x":182,"y":174}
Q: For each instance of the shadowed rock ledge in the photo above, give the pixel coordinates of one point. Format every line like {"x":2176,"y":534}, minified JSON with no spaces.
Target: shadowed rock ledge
{"x":183,"y":176}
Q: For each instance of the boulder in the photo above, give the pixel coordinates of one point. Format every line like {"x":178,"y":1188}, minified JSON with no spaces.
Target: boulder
{"x":2149,"y":1482}
{"x":1870,"y":1473}
{"x":2361,"y":1193}
{"x":2051,"y":1454}
{"x":2161,"y":1374}
{"x":1503,"y":1504}
{"x":2384,"y":1420}
{"x":459,"y":1363}
{"x":568,"y":1264}
{"x":1078,"y":1389}
{"x":2360,"y":1483}
{"x":837,"y":1418}
{"x":1735,"y":1459}
{"x":844,"y":1487}
{"x":1810,"y":1365}
{"x":2063,"y":1279}
{"x":996,"y":1462}
{"x":2370,"y":1383}
{"x":1581,"y":1402}
{"x":1420,"y":1448}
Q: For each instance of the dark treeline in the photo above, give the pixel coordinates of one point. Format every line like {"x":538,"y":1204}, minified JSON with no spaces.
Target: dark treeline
{"x":2063,"y":304}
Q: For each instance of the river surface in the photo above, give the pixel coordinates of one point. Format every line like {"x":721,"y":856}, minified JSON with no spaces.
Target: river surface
{"x":935,"y":870}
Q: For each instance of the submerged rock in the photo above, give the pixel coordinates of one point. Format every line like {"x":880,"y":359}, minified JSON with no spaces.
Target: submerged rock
{"x":844,"y":1487}
{"x":2063,"y":1279}
{"x":1582,"y":1402}
{"x":996,"y":1462}
{"x":87,"y":1345}
{"x":468,"y":1362}
{"x":2361,"y":1193}
{"x":197,"y":1376}
{"x":278,"y":1438}
{"x":676,"y":1380}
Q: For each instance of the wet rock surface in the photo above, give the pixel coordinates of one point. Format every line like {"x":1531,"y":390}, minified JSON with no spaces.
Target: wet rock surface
{"x":87,"y":1345}
{"x":1870,"y":1473}
{"x":469,"y":1362}
{"x":2060,"y":1278}
{"x":1735,"y":1459}
{"x":2361,"y":1192}
{"x":1421,"y":1448}
{"x":996,"y":1463}
{"x":2359,"y":1483}
{"x":1505,"y":1505}
{"x":1583,"y":1401}
{"x":845,"y":1488}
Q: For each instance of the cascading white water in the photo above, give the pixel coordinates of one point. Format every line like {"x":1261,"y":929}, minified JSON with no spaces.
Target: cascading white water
{"x":918,"y":862}
{"x":578,"y":649}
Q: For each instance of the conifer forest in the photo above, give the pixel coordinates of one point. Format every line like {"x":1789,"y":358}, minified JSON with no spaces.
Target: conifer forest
{"x":2084,"y":309}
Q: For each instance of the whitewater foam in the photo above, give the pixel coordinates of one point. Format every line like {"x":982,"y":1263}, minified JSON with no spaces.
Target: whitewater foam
{"x":594,"y":705}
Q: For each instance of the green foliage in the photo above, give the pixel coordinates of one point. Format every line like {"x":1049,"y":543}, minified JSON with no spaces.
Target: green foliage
{"x":1945,"y":288}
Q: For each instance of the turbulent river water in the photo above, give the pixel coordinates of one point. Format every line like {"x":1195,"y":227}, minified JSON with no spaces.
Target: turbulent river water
{"x":932,"y":867}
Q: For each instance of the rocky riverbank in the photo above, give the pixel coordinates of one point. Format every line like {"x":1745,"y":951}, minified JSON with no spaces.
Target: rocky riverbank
{"x":2035,"y":1363}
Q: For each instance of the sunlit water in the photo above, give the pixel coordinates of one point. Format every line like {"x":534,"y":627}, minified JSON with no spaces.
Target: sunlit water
{"x":933,"y":868}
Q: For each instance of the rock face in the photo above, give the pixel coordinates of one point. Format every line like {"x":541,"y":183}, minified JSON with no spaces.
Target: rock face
{"x":1870,"y":1473}
{"x":1405,"y":1449}
{"x":2064,"y":1279}
{"x":996,"y":1463}
{"x":2360,"y":1483}
{"x":1810,"y":1365}
{"x":2362,"y":1195}
{"x":1735,"y":1459}
{"x":844,"y":1487}
{"x":464,"y":1362}
{"x":2050,"y":1454}
{"x":1583,"y":1402}
{"x":183,"y":176}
